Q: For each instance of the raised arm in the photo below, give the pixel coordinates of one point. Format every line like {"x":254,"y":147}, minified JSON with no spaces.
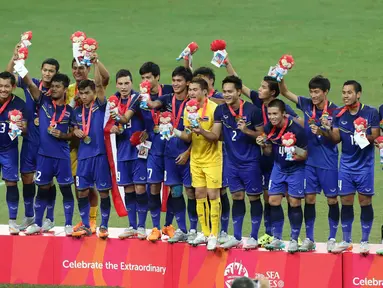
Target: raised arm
{"x":285,"y":92}
{"x":103,"y":72}
{"x":11,"y":62}
{"x":157,"y":104}
{"x":230,"y":70}
{"x":100,"y":90}
{"x":35,"y":92}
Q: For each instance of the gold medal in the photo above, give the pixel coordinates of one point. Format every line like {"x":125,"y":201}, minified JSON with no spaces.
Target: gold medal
{"x":156,"y":129}
{"x":36,"y":122}
{"x":87,"y":140}
{"x":50,"y":128}
{"x":120,"y":128}
{"x":238,"y":118}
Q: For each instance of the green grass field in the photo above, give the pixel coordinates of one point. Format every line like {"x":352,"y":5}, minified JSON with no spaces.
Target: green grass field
{"x":339,"y":39}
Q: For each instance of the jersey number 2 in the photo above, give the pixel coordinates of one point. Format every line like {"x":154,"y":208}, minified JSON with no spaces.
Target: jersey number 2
{"x":233,"y":138}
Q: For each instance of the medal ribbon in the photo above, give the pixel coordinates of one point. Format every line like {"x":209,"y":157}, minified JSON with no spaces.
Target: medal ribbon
{"x":47,"y":93}
{"x":314,"y":114}
{"x":264,"y":114}
{"x":53,"y":119}
{"x":178,"y":118}
{"x":4,"y":106}
{"x":240,"y":110}
{"x":204,"y":108}
{"x":280,"y":133}
{"x":121,"y":107}
{"x":211,"y":93}
{"x":347,"y":108}
{"x":86,"y":125}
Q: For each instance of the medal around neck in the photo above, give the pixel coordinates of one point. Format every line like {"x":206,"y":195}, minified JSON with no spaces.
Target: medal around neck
{"x":87,"y":140}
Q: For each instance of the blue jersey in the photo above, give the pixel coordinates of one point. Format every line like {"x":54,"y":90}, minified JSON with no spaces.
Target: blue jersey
{"x":125,"y":151}
{"x":50,"y":145}
{"x":165,"y":89}
{"x":353,"y":159}
{"x":96,"y":130}
{"x":267,"y":160}
{"x":322,"y":152}
{"x":278,"y":149}
{"x":5,"y":141}
{"x":158,"y":145}
{"x":242,"y":151}
{"x":32,"y":109}
{"x":216,"y":94}
{"x":175,"y":146}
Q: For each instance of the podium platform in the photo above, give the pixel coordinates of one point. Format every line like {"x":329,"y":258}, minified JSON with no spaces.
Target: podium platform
{"x":54,"y":259}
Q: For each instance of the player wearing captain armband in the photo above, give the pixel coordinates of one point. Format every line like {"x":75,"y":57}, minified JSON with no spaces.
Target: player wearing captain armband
{"x":9,"y":154}
{"x":92,"y":166}
{"x":322,"y":162}
{"x":356,"y":125}
{"x":81,"y":72}
{"x":241,"y":123}
{"x":205,"y":164}
{"x":267,"y":91}
{"x":282,"y":137}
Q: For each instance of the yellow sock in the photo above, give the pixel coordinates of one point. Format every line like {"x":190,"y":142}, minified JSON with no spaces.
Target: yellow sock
{"x":203,"y":215}
{"x":215,"y":210}
{"x":93,"y":213}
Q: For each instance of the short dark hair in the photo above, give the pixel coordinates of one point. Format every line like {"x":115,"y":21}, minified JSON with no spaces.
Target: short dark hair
{"x":124,"y":73}
{"x":278,"y":104}
{"x":273,"y":84}
{"x":320,"y":82}
{"x":8,"y":75}
{"x":64,"y":79}
{"x":357,"y":86}
{"x":53,"y":62}
{"x":74,"y":61}
{"x":243,"y":282}
{"x":86,"y":83}
{"x":205,"y":71}
{"x":233,"y":79}
{"x":150,"y":67}
{"x":183,"y":72}
{"x":201,"y":82}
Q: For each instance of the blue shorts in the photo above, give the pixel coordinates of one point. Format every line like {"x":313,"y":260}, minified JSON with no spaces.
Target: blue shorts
{"x":248,"y":180}
{"x":266,"y":179}
{"x":93,"y":170}
{"x":177,"y":174}
{"x":9,"y":164}
{"x":318,"y":179}
{"x":350,"y":183}
{"x":49,"y":167}
{"x":291,"y":182}
{"x":156,"y":169}
{"x":28,"y":157}
{"x":131,"y":172}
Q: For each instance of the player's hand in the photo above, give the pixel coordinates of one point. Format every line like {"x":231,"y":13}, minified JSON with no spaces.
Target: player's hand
{"x":183,"y":158}
{"x":79,"y":133}
{"x":115,"y":130}
{"x":260,"y":141}
{"x":315,"y":129}
{"x":241,"y":125}
{"x":56,"y":133}
{"x":93,"y":57}
{"x":144,"y":136}
{"x":114,"y":115}
{"x":20,"y":125}
{"x":15,"y":51}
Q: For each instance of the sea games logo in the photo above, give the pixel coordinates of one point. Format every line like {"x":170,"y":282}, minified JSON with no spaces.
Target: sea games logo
{"x":273,"y":277}
{"x":233,"y":271}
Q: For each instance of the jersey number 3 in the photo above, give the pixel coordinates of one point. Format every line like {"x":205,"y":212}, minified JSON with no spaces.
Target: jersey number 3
{"x":2,"y":127}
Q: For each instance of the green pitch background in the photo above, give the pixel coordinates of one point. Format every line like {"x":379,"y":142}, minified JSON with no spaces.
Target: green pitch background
{"x":338,"y":39}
